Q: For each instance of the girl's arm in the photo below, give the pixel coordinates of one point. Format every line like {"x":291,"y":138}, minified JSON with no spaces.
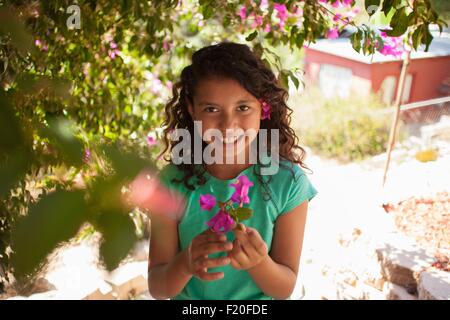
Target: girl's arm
{"x":167,"y":272}
{"x":276,"y":275}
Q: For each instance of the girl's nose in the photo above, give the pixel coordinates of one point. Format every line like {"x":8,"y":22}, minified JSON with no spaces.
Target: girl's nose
{"x":228,"y":121}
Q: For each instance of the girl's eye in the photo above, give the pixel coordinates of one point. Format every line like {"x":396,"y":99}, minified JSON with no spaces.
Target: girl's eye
{"x":243,"y":108}
{"x":210,"y":109}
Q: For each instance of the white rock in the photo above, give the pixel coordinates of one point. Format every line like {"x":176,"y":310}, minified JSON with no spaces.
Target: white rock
{"x":402,"y":260}
{"x":395,"y":292}
{"x":434,"y":285}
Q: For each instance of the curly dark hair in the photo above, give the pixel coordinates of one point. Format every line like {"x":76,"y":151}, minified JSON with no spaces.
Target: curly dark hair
{"x":238,"y":62}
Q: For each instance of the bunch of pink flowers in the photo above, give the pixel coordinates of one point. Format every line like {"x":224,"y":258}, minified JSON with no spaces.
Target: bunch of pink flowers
{"x":392,"y":46}
{"x":228,"y":216}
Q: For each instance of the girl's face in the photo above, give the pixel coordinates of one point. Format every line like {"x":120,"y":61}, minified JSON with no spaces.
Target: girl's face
{"x":223,"y":104}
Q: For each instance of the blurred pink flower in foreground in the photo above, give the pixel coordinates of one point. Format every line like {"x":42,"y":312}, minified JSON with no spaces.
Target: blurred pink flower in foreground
{"x":152,"y":195}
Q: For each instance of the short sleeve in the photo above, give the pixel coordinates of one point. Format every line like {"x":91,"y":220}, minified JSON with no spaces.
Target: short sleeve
{"x":299,"y":190}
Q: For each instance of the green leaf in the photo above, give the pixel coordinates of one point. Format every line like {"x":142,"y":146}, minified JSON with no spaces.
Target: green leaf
{"x":12,"y":26}
{"x":54,"y":219}
{"x":427,"y":36}
{"x":356,"y":39}
{"x":126,"y":164}
{"x":294,"y":79}
{"x":119,"y":236}
{"x":13,"y":169}
{"x":380,"y":42}
{"x":244,"y":213}
{"x":417,"y":38}
{"x":208,"y":12}
{"x":61,"y":133}
{"x":399,"y":23}
{"x":299,"y":40}
{"x":284,"y":78}
{"x":11,"y":134}
{"x":252,"y":36}
{"x":387,"y":6}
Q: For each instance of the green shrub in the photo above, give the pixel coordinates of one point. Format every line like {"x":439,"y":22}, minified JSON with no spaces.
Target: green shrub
{"x":345,"y":129}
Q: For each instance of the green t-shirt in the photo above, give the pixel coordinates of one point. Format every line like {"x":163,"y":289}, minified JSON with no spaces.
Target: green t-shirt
{"x":285,"y":190}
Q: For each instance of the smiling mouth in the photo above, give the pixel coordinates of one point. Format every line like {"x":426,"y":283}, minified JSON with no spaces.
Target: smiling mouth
{"x":231,"y":140}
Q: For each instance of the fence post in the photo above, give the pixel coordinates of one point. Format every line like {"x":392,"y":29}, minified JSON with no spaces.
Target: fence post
{"x":397,"y":105}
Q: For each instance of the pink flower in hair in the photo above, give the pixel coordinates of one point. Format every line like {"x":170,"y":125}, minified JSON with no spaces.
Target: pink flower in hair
{"x":266,"y":108}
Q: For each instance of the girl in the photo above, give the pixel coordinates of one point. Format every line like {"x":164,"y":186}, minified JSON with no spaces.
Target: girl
{"x":228,"y":87}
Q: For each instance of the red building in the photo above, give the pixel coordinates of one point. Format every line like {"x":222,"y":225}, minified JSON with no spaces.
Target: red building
{"x":337,"y":69}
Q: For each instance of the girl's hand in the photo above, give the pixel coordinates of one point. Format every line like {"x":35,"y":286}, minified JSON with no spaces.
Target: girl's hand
{"x":249,"y":249}
{"x":203,"y":245}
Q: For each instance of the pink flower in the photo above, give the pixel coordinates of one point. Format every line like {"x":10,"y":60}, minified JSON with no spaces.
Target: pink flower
{"x":113,"y":52}
{"x":87,"y":155}
{"x":264,"y":5}
{"x":337,"y":17}
{"x":221,"y":222}
{"x":392,"y":46}
{"x":151,"y":141}
{"x":347,"y":2}
{"x":242,"y":185}
{"x":267,"y":28}
{"x":333,"y":33}
{"x":43,"y":46}
{"x":156,"y":85}
{"x":342,"y":3}
{"x":281,"y":13}
{"x":352,"y":14}
{"x":258,"y":20}
{"x":281,"y":9}
{"x":266,"y":108}
{"x":337,"y":4}
{"x":243,"y":13}
{"x":298,"y":11}
{"x":207,"y":202}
